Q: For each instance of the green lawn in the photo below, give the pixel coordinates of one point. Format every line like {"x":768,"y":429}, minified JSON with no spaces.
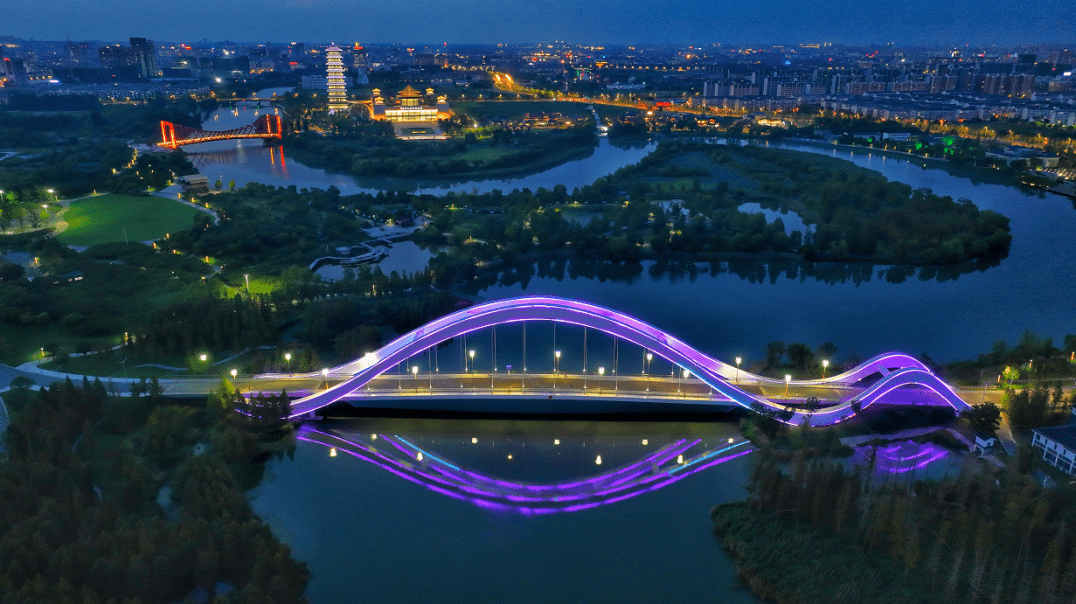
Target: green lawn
{"x":103,"y":219}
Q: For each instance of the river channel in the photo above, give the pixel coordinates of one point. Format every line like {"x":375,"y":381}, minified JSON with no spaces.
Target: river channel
{"x":371,"y":534}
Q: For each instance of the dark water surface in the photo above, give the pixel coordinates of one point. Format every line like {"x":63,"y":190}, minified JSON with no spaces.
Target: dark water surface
{"x":370,"y":535}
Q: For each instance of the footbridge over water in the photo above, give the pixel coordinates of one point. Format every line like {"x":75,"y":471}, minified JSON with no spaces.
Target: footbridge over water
{"x":176,"y":135}
{"x":891,"y":378}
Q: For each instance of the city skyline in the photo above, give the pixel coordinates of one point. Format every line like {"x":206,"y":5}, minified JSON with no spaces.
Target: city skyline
{"x":910,"y":22}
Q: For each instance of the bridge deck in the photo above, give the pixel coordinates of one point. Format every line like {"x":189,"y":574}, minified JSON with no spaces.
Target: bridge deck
{"x":469,"y":392}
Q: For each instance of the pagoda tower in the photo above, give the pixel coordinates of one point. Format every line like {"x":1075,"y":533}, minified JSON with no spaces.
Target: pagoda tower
{"x":334,"y":74}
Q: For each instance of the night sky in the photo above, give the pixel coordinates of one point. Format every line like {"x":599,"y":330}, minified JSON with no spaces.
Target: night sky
{"x":914,"y":22}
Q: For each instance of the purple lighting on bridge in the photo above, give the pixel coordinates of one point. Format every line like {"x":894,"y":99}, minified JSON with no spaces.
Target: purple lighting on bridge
{"x":897,"y":370}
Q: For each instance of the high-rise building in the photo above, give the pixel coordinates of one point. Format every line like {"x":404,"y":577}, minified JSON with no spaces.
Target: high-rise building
{"x":359,"y":58}
{"x":146,"y":55}
{"x":334,"y":73}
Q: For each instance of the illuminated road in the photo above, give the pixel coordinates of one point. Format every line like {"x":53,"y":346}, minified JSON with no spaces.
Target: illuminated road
{"x":452,"y":384}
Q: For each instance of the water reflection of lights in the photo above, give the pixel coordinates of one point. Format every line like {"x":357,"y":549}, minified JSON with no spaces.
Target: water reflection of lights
{"x":664,"y":466}
{"x":899,"y":458}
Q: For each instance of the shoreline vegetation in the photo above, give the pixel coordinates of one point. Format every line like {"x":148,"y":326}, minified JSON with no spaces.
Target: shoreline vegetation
{"x":814,"y":532}
{"x":457,"y":161}
{"x":135,"y":499}
{"x":486,"y":140}
{"x":683,"y":201}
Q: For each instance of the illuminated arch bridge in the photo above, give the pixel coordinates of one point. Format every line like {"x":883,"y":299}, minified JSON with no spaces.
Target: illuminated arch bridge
{"x":871,"y":382}
{"x":174,"y":136}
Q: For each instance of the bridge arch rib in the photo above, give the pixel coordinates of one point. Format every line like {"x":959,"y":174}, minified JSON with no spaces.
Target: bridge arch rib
{"x":897,"y":369}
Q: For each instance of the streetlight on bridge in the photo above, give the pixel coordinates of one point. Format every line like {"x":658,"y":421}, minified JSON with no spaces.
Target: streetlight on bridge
{"x":414,"y":372}
{"x":649,"y":357}
{"x":684,"y":374}
{"x":556,"y":367}
{"x":738,"y":361}
{"x":325,"y":376}
{"x":601,"y":374}
{"x":470,"y":353}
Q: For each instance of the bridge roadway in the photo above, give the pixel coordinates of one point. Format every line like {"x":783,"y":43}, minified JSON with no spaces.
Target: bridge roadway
{"x":449,"y":385}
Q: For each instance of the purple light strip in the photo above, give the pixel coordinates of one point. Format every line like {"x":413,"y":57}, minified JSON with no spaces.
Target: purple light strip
{"x":705,"y":368}
{"x":458,"y":482}
{"x":418,"y":476}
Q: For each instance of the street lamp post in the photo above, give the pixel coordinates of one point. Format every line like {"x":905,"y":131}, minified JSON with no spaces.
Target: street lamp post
{"x":649,"y":357}
{"x":470,"y":353}
{"x":202,"y":357}
{"x":247,"y":277}
{"x":685,"y":374}
{"x":738,"y":361}
{"x":325,"y":376}
{"x":235,"y":382}
{"x":414,"y":372}
{"x":601,"y":373}
{"x":287,"y":357}
{"x":556,"y":367}
{"x":788,"y":380}
{"x":825,"y":363}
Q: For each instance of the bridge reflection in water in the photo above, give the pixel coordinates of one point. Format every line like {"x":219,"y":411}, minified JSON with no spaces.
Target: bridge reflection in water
{"x":666,"y":464}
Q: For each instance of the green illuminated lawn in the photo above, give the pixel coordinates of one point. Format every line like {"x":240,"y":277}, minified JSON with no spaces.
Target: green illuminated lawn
{"x":103,"y":219}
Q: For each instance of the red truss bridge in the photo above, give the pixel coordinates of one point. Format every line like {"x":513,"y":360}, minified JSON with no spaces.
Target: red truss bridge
{"x":175,"y":135}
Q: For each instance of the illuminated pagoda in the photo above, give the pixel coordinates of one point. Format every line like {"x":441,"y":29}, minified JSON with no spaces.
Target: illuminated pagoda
{"x":334,"y":73}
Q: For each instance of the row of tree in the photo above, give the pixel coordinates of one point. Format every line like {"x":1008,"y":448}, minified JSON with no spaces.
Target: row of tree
{"x":61,"y":542}
{"x":1036,"y":407}
{"x":980,"y":536}
{"x":208,"y":324}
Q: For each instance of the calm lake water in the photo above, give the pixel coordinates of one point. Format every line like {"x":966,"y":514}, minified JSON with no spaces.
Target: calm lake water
{"x":370,"y":534}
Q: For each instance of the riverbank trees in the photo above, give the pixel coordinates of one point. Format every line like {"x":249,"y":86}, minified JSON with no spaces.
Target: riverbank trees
{"x":371,"y":151}
{"x":79,"y":520}
{"x":980,"y":536}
